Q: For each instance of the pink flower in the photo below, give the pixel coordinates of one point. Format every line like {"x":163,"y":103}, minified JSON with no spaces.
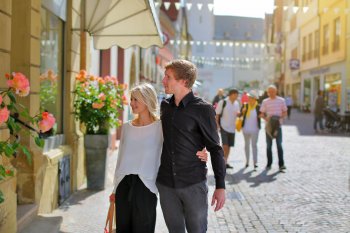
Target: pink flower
{"x":47,"y":122}
{"x":125,"y":100}
{"x":97,"y":105}
{"x":19,"y":83}
{"x":4,"y":115}
{"x":0,"y":99}
{"x":102,"y":96}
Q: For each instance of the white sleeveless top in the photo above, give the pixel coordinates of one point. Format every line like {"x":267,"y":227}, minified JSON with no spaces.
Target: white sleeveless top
{"x":139,"y":153}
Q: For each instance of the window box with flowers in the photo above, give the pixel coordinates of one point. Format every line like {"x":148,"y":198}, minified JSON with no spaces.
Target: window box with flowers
{"x":97,"y":105}
{"x":18,"y":121}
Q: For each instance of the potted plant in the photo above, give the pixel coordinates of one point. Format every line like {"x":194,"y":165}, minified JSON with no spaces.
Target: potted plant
{"x":17,"y":119}
{"x":97,"y":105}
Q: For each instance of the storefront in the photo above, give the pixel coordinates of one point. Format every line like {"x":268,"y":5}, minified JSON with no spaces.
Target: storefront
{"x":330,"y":79}
{"x":332,"y":91}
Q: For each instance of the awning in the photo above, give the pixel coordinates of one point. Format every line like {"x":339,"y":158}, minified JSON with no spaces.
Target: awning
{"x":123,"y":23}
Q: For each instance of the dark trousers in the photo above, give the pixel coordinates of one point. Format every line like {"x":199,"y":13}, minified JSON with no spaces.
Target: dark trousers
{"x":279,"y":148}
{"x":318,"y":119}
{"x":135,"y":206}
{"x":289,"y":109}
{"x":185,"y":207}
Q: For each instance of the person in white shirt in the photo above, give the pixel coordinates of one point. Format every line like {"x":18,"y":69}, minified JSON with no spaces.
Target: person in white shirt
{"x":251,"y":125}
{"x":226,"y":114}
{"x":135,"y":191}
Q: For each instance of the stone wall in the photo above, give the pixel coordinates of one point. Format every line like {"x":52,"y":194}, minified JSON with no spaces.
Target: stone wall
{"x":7,"y":186}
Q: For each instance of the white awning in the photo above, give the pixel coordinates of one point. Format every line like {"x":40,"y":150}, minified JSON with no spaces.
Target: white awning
{"x":123,"y":23}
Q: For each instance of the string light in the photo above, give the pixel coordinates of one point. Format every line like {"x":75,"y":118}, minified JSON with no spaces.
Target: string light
{"x":210,"y":7}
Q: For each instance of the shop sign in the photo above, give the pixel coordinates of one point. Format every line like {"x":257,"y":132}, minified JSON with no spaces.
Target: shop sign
{"x":294,"y":64}
{"x":319,"y":71}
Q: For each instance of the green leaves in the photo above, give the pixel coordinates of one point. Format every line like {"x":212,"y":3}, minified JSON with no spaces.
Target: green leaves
{"x":39,"y":142}
{"x":27,"y":154}
{"x":1,"y":197}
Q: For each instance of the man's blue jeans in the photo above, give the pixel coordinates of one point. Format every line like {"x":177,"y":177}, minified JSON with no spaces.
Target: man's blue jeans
{"x":279,"y":148}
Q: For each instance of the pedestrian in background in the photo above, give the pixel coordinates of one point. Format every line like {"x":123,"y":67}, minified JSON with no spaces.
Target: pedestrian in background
{"x":289,"y":103}
{"x":251,"y":125}
{"x":188,"y":126}
{"x":273,"y":110}
{"x":226,"y":115}
{"x":135,"y":191}
{"x":318,"y":111}
{"x":219,"y":96}
{"x":244,"y":98}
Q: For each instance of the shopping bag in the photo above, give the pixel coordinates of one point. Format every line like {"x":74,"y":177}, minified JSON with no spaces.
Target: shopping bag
{"x":110,"y":218}
{"x":239,"y":121}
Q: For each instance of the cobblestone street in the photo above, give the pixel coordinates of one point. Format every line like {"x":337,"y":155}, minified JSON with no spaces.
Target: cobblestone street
{"x":313,"y":195}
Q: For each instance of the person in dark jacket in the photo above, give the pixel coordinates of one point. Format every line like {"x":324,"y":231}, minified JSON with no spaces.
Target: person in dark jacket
{"x":250,"y":126}
{"x":318,"y":111}
{"x":219,"y":96}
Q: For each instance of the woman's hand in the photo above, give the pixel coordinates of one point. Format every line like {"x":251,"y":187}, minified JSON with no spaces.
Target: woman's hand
{"x":112,"y":197}
{"x":203,"y":155}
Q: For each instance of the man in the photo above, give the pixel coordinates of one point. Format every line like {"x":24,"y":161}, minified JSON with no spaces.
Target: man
{"x":318,"y":111}
{"x":273,"y":108}
{"x":188,"y":124}
{"x":289,"y":103}
{"x":219,"y":96}
{"x":226,"y":114}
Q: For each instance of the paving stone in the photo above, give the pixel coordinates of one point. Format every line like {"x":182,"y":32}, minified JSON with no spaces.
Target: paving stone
{"x":311,"y":196}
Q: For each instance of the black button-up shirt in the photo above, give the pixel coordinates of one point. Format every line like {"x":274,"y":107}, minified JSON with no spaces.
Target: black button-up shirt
{"x":189,"y":128}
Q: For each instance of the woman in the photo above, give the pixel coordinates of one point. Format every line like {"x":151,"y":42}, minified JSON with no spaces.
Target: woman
{"x":251,"y":126}
{"x":135,"y":192}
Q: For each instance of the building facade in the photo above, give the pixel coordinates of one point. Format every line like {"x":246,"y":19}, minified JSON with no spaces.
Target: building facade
{"x":317,"y":40}
{"x":230,"y":51}
{"x":42,"y":35}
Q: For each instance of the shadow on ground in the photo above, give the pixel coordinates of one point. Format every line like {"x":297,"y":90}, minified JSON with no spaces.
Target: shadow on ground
{"x":77,"y":198}
{"x":249,"y":177}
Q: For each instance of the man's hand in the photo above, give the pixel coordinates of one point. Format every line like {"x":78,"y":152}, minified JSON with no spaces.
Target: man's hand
{"x":203,"y":155}
{"x":218,"y":198}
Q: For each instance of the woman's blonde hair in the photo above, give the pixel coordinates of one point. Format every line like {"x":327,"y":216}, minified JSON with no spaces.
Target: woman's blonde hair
{"x":146,"y":94}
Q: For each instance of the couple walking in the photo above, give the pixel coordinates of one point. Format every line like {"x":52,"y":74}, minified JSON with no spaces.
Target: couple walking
{"x":168,"y":155}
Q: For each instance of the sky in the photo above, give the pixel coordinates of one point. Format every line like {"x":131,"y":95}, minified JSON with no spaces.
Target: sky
{"x":245,"y":8}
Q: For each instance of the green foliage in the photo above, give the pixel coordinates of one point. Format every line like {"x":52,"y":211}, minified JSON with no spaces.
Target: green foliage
{"x":19,"y":122}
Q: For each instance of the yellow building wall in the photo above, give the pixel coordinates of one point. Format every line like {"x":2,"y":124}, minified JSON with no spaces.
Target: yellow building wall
{"x":305,"y":30}
{"x":328,"y":17}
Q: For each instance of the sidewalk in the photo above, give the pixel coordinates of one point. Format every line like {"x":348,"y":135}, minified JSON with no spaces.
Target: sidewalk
{"x":313,"y":195}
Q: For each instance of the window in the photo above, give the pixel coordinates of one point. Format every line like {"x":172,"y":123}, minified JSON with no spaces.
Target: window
{"x":310,"y":47}
{"x":325,"y":39}
{"x":51,"y":56}
{"x":336,"y":34}
{"x":304,"y":49}
{"x":219,"y":63}
{"x":317,"y":44}
{"x":219,"y":48}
